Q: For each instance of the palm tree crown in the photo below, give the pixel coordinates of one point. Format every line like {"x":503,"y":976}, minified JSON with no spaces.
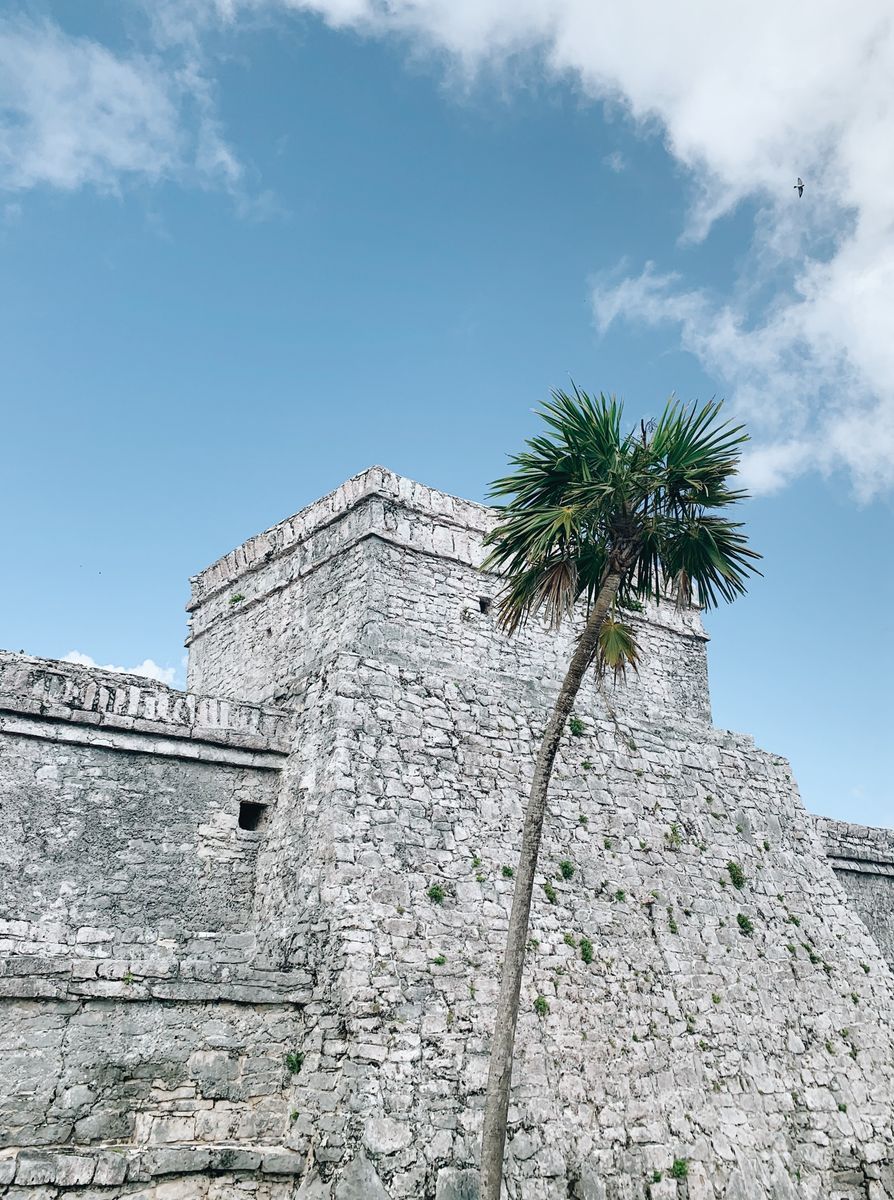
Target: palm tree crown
{"x":588,"y":501}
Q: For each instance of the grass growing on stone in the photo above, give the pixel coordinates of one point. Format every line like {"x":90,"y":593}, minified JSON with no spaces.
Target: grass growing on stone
{"x":550,"y":892}
{"x":566,"y":869}
{"x":294,"y":1061}
{"x":576,"y":726}
{"x":507,"y":872}
{"x":672,"y":838}
{"x":541,"y":1006}
{"x":569,"y":940}
{"x":436,"y":893}
{"x":746,"y":927}
{"x":736,"y":874}
{"x":680,"y":1169}
{"x":236,"y":598}
{"x":586,"y":950}
{"x":439,"y":960}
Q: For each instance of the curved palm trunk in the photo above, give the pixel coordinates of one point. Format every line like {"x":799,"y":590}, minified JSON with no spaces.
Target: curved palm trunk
{"x":493,"y":1135}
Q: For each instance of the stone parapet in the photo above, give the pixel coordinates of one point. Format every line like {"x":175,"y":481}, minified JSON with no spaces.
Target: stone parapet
{"x":67,"y":702}
{"x":862,"y":858}
{"x":288,"y":535}
{"x":858,"y":848}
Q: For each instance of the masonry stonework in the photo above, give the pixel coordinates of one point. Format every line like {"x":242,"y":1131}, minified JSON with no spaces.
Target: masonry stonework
{"x":250,"y":943}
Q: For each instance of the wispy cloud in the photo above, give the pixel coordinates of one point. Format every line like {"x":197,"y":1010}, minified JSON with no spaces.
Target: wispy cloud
{"x":147,"y":668}
{"x":73,"y":113}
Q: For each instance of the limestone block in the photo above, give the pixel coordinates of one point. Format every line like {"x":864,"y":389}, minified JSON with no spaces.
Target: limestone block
{"x":383,"y":1135}
{"x":359,"y":1181}
{"x":454,"y":1183}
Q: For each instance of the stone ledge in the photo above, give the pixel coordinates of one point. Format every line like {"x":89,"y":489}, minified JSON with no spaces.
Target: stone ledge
{"x":191,"y":748}
{"x":33,"y":977}
{"x":110,"y":1166}
{"x":860,"y":866}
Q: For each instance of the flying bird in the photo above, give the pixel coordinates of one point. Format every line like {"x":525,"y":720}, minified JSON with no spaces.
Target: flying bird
{"x":799,"y":186}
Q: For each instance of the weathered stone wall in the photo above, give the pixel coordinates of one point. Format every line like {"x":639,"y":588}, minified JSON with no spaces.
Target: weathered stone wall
{"x":310,"y":1014}
{"x":863,"y":860}
{"x":390,"y":568}
{"x":135,"y":1010}
{"x":120,"y":811}
{"x":758,"y":1050}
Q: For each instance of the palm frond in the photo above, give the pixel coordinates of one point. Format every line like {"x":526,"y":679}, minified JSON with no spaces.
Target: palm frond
{"x":616,"y":649}
{"x":699,"y":452}
{"x":547,"y":588}
{"x":708,"y":559}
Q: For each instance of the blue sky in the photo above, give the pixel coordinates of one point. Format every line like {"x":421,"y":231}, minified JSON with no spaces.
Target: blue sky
{"x":248,"y":250}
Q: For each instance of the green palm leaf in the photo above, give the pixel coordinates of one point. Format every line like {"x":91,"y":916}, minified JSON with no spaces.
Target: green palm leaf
{"x":616,"y":649}
{"x":585,"y":499}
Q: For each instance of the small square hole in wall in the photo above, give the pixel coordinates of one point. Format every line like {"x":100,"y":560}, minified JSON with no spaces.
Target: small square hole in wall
{"x":485,"y":604}
{"x":251,"y":815}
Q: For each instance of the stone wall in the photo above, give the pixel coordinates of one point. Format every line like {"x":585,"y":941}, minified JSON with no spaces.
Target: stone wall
{"x":120,"y":808}
{"x":135,"y":1010}
{"x":390,"y":568}
{"x":705,"y":1014}
{"x":863,"y":860}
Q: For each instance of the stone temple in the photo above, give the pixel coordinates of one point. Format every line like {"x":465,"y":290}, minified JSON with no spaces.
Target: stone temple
{"x":251,"y":933}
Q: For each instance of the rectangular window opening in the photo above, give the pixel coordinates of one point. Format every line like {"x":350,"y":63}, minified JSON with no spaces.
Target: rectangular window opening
{"x":250,"y":814}
{"x":485,"y":603}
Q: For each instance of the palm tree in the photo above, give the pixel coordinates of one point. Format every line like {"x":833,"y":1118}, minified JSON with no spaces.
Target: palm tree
{"x":599,"y":521}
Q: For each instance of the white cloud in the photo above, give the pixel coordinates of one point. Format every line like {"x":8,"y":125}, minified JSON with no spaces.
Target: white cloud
{"x":747,"y":97}
{"x":147,"y":668}
{"x":73,"y":113}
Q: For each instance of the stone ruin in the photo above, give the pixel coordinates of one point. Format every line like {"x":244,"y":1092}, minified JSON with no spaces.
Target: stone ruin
{"x":251,"y":933}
